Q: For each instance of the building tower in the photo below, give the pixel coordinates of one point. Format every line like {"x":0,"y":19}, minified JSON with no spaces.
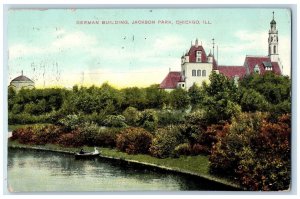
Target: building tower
{"x":273,"y":41}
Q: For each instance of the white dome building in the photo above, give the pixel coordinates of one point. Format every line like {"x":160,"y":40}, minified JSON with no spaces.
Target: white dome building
{"x":21,"y":82}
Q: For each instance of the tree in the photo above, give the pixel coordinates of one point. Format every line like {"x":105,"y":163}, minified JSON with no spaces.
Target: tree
{"x":179,"y":99}
{"x":253,"y":101}
{"x":196,"y":95}
{"x":275,"y":88}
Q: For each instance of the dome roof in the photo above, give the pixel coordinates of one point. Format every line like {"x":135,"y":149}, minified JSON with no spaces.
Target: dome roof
{"x":21,"y":78}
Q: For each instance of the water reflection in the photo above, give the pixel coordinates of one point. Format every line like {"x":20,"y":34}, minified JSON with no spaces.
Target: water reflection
{"x":31,"y":170}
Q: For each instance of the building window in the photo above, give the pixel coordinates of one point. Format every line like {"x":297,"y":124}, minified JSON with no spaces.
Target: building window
{"x":204,"y":73}
{"x":193,"y":72}
{"x":182,"y":85}
{"x":198,"y":72}
{"x":183,"y":72}
{"x":198,"y":55}
{"x":274,"y":49}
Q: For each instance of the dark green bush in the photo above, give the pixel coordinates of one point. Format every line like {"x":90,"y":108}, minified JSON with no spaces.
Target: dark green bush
{"x":168,"y":117}
{"x":149,"y":120}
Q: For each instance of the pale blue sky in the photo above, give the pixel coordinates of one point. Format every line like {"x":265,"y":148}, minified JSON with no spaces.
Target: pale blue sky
{"x":52,"y":49}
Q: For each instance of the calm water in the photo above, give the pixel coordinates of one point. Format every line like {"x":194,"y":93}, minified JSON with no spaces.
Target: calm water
{"x":31,"y":170}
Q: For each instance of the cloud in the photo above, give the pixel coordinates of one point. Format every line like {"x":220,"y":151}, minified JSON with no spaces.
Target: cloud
{"x":64,"y":40}
{"x":74,"y":39}
{"x":21,"y":50}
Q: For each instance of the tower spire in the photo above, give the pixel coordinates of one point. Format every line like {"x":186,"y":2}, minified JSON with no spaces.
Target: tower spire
{"x":213,"y":43}
{"x":273,"y":15}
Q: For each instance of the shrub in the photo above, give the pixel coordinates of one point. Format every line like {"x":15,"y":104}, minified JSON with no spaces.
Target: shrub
{"x":149,"y":120}
{"x":132,"y":116}
{"x":115,"y":121}
{"x":256,"y":152}
{"x":72,"y":138}
{"x":134,"y":140}
{"x":165,"y":141}
{"x":167,"y":117}
{"x":48,"y":134}
{"x":24,"y":135}
{"x":107,"y":137}
{"x":70,"y":122}
{"x":182,"y":149}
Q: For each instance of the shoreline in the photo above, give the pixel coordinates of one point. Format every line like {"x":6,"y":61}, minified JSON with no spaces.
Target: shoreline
{"x":224,"y":182}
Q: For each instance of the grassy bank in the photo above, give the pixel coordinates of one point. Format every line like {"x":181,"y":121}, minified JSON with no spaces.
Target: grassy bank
{"x":17,"y":126}
{"x":195,"y":165}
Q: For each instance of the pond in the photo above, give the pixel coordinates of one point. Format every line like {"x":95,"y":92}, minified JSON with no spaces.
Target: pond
{"x":43,"y":171}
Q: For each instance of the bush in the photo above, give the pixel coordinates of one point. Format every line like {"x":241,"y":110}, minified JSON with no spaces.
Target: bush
{"x":149,"y":120}
{"x":134,"y":140}
{"x":24,"y":135}
{"x":71,"y":139}
{"x":165,"y":141}
{"x":70,"y":122}
{"x":132,"y":116}
{"x":115,"y":121}
{"x":182,"y":149}
{"x":256,"y":152}
{"x":167,"y":117}
{"x":107,"y":137}
{"x":48,"y":134}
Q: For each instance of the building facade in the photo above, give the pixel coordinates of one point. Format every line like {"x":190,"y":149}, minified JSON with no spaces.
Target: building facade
{"x":196,"y":65}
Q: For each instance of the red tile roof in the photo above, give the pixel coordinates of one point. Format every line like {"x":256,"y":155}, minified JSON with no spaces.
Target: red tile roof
{"x":251,"y":62}
{"x":171,"y":80}
{"x":192,"y":54}
{"x":231,"y":71}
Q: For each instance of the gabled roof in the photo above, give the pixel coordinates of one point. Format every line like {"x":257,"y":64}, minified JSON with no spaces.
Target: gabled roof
{"x":171,"y":80}
{"x":22,"y":78}
{"x":252,"y":61}
{"x":232,"y":71}
{"x":192,"y":53}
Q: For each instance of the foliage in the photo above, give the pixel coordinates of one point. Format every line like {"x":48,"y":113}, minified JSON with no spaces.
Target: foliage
{"x":182,"y":149}
{"x":148,"y":120}
{"x":106,"y":137}
{"x":179,"y":99}
{"x":134,"y":140}
{"x":70,"y":122}
{"x":275,"y":88}
{"x":255,"y":151}
{"x":132,"y":116}
{"x":170,"y":117}
{"x":253,"y":101}
{"x":165,"y":141}
{"x":115,"y":121}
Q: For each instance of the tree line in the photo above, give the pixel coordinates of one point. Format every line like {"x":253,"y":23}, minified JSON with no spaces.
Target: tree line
{"x":245,"y":128}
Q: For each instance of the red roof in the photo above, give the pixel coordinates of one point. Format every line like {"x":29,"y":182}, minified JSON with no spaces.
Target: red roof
{"x":192,"y":54}
{"x":231,"y":71}
{"x":171,"y":80}
{"x":251,"y":62}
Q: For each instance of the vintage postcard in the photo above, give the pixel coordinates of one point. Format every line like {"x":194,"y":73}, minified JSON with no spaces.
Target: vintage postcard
{"x":149,"y":99}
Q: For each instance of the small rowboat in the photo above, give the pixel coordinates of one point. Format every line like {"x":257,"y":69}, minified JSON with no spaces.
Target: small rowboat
{"x":87,"y":155}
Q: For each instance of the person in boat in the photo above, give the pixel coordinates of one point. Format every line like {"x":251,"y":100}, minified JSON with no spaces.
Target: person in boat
{"x":81,"y":151}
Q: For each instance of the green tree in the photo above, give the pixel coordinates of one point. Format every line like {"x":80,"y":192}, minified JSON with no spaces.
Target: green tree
{"x":179,"y":99}
{"x":275,"y":88}
{"x":253,"y":101}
